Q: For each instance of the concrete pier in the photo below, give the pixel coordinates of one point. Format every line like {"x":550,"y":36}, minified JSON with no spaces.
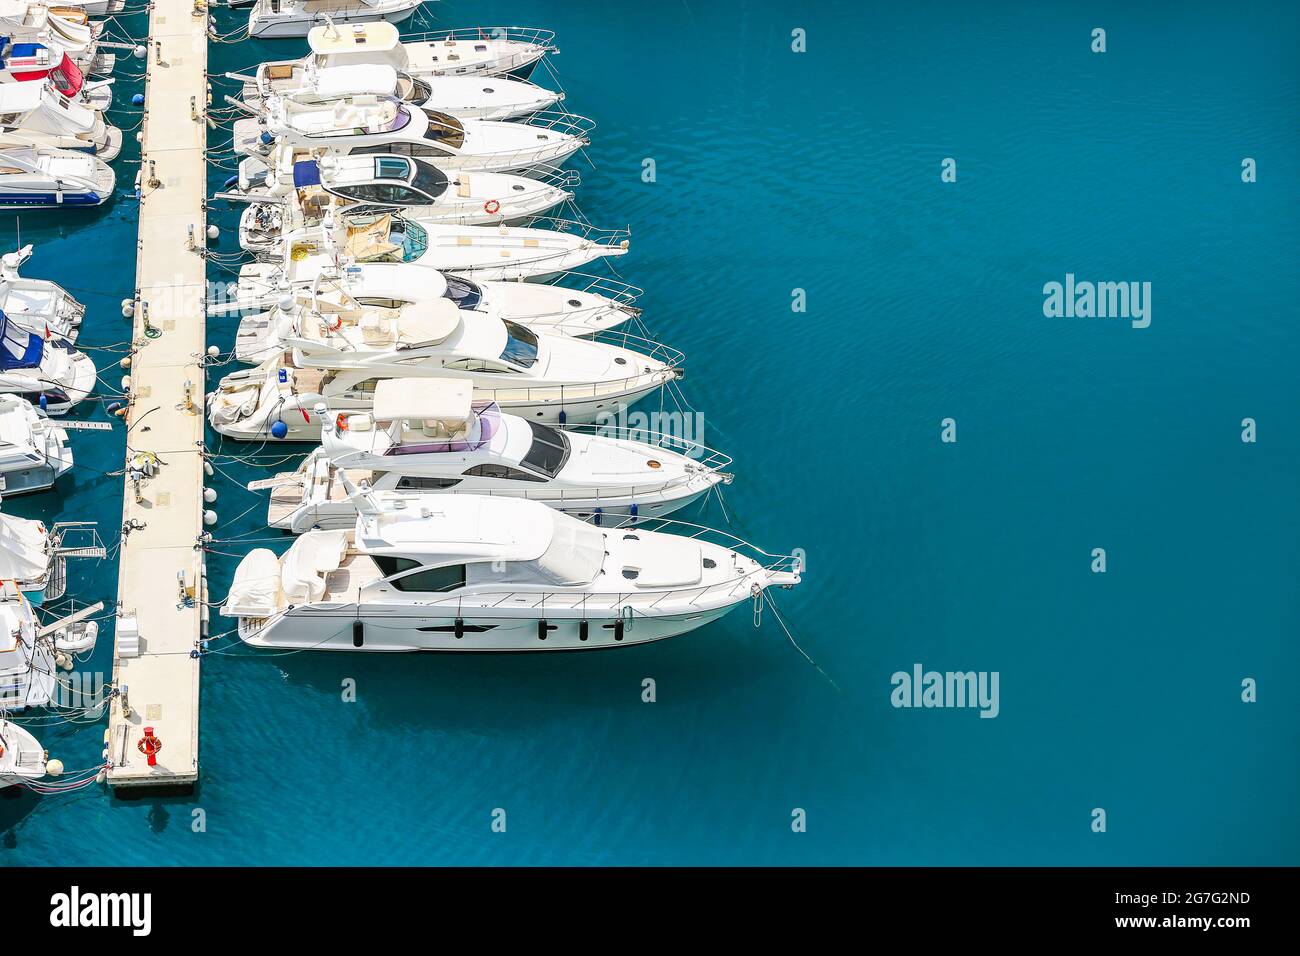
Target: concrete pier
{"x":160,"y":577}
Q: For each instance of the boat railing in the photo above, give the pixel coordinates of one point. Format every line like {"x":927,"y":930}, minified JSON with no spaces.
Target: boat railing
{"x":560,"y":121}
{"x":638,"y":600}
{"x":592,"y":234}
{"x":532,"y":36}
{"x":702,"y":456}
{"x":555,"y":176}
{"x":649,"y":348}
{"x":560,"y":395}
{"x":622,"y":294}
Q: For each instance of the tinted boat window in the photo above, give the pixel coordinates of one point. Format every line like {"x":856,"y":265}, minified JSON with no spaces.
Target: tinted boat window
{"x":428,"y":580}
{"x":521,"y":345}
{"x":549,"y":451}
{"x":464,"y":293}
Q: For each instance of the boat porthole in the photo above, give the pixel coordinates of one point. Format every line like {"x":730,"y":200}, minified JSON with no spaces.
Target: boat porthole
{"x":488,"y":89}
{"x":620,"y":361}
{"x":518,"y":189}
{"x":631,"y":574}
{"x":654,"y":464}
{"x":575,"y":303}
{"x":710,"y":563}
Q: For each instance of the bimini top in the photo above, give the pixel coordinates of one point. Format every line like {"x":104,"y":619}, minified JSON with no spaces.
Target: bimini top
{"x":354,"y":38}
{"x":19,"y":348}
{"x":333,"y":81}
{"x":423,"y":399}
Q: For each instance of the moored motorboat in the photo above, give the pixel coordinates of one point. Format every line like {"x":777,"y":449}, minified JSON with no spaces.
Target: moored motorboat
{"x":22,"y":758}
{"x":585,"y":306}
{"x":468,"y":97}
{"x":546,"y":247}
{"x":295,"y":18}
{"x":37,"y":63}
{"x":480,"y":573}
{"x":38,"y":304}
{"x":39,"y":111}
{"x":425,"y":438}
{"x":366,"y":122}
{"x":34,"y":175}
{"x":46,"y":371}
{"x":34,"y":451}
{"x":300,"y":198}
{"x":27,"y":667}
{"x":338,"y":361}
{"x":472,"y":51}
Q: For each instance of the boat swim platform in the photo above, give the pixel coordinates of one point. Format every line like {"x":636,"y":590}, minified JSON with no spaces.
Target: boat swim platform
{"x":161,"y":586}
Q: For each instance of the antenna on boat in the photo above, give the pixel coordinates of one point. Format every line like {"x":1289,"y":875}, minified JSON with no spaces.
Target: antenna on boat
{"x":364,"y":500}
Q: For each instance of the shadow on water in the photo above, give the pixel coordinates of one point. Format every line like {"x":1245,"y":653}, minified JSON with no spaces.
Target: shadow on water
{"x":464,"y":692}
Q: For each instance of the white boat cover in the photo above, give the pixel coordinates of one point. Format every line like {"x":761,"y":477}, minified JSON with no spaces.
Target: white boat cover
{"x":427,"y":399}
{"x":23,"y":549}
{"x":255,"y":590}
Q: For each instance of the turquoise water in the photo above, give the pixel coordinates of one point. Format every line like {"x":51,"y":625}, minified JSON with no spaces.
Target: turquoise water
{"x":821,"y":171}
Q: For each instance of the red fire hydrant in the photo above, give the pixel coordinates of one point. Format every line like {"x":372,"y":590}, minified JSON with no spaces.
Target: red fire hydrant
{"x":150,"y":746}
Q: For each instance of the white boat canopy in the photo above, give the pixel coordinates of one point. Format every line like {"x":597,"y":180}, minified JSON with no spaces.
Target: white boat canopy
{"x":427,"y":399}
{"x":379,"y":35}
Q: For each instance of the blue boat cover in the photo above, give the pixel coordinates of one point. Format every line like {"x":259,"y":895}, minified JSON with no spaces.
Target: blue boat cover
{"x":19,"y":348}
{"x":306,"y":173}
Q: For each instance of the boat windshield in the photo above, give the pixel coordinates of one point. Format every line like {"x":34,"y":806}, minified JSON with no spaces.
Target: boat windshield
{"x":429,"y":179}
{"x":413,"y":89}
{"x":19,"y":348}
{"x":67,"y":77}
{"x":444,"y":129}
{"x":521,"y":345}
{"x":549,"y":451}
{"x":412,"y":236}
{"x":464,"y":293}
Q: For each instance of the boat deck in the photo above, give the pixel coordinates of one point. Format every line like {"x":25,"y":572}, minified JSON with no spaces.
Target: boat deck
{"x":159,"y":682}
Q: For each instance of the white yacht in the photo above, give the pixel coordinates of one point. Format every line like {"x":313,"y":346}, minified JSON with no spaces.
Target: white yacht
{"x":585,"y":307}
{"x":30,"y":653}
{"x":480,"y":573}
{"x":22,"y":758}
{"x":300,"y":199}
{"x":38,"y":176}
{"x":48,"y":372}
{"x":34,"y":451}
{"x":425,"y":438}
{"x":28,"y":673}
{"x":296,"y":18}
{"x":468,"y":97}
{"x":39,"y":111}
{"x":338,"y":361}
{"x":366,"y":122}
{"x":547,"y":247}
{"x":473,"y":51}
{"x":38,"y":304}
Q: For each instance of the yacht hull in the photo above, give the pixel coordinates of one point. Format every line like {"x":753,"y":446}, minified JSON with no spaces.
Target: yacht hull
{"x":339,"y":628}
{"x":300,"y":26}
{"x":302,"y":425}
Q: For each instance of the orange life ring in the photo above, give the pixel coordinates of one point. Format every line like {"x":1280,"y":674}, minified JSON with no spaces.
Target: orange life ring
{"x":492,"y":207}
{"x":341,"y":422}
{"x":147,"y":742}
